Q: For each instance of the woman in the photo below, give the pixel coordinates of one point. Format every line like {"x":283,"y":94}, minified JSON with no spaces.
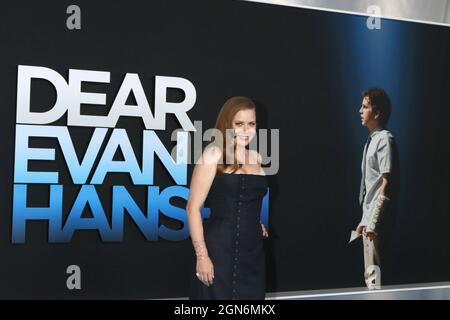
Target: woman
{"x":230,"y":261}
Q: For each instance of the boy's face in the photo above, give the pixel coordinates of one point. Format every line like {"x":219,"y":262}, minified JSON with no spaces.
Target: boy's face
{"x":369,"y":117}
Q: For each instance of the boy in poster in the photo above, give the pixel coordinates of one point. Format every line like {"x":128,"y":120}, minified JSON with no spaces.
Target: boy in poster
{"x":378,"y":172}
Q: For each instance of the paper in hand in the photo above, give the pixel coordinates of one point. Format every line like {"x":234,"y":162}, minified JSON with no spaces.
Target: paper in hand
{"x":354,"y":235}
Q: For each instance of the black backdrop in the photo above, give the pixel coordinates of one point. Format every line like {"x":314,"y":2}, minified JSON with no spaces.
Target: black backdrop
{"x":306,"y":70}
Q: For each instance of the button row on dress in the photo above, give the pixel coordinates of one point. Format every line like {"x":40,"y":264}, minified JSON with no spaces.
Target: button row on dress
{"x":238,"y":218}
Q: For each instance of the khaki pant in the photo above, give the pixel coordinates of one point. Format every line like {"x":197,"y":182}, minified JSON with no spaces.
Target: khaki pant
{"x":372,"y":271}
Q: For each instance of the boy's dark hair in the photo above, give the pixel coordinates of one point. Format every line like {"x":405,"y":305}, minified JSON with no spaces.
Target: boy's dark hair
{"x":380,"y":101}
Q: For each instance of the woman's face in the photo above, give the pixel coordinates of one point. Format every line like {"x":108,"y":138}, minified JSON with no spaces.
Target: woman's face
{"x":244,"y":125}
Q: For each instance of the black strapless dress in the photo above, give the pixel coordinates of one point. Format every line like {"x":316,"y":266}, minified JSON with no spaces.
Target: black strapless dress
{"x":234,"y":239}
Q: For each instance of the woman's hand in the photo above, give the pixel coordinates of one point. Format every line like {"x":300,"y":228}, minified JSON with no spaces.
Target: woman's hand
{"x":264,"y":231}
{"x":205,"y":270}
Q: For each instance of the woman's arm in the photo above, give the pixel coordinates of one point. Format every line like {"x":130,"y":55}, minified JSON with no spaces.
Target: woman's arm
{"x":255,"y":158}
{"x":202,"y":178}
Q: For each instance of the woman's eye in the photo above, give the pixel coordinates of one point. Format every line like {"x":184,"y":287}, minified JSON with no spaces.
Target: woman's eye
{"x":239,"y":124}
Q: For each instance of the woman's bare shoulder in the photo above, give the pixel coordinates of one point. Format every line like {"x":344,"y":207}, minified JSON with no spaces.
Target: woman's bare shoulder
{"x":255,"y":157}
{"x":211,"y":154}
